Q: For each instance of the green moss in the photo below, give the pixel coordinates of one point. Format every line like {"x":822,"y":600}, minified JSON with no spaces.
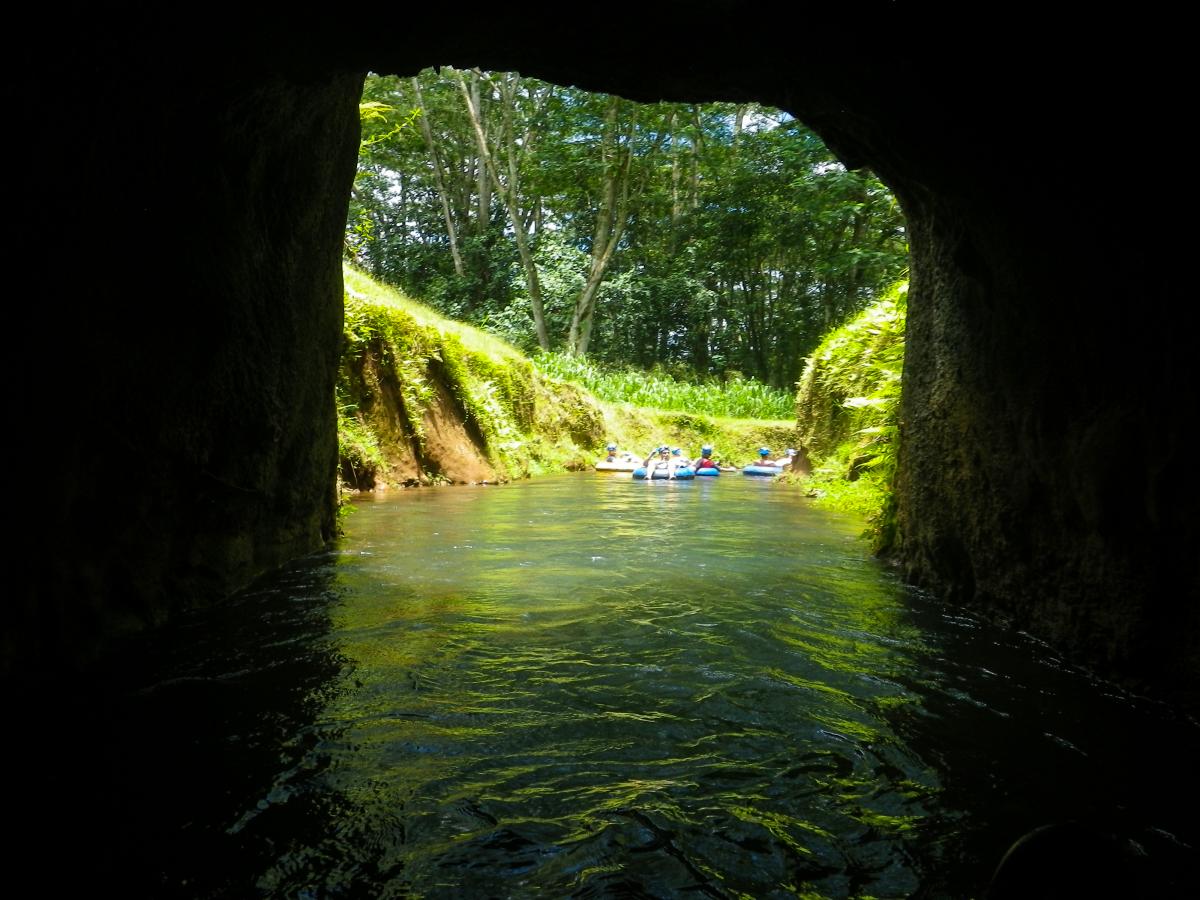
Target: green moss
{"x":401,"y":344}
{"x":847,"y":411}
{"x":358,"y":442}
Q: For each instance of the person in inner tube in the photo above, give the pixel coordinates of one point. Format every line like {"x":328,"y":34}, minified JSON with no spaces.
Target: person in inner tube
{"x":785,"y":462}
{"x":706,"y":460}
{"x":658,"y":460}
{"x":652,"y":460}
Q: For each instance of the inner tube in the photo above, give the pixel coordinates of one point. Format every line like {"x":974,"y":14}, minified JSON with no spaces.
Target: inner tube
{"x":620,"y":465}
{"x":682,"y":474}
{"x":761,"y":470}
{"x":708,"y":470}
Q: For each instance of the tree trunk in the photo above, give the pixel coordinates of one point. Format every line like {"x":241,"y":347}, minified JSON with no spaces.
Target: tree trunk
{"x":439,"y":180}
{"x":739,"y":119}
{"x":697,"y":152}
{"x":676,"y":202}
{"x":508,"y":195}
{"x":483,"y":215}
{"x":610,"y":225}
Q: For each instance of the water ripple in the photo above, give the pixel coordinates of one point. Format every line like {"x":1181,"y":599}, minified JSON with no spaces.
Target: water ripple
{"x":592,"y":688}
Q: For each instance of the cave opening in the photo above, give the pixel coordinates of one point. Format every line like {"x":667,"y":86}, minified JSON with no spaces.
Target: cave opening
{"x":705,"y":237}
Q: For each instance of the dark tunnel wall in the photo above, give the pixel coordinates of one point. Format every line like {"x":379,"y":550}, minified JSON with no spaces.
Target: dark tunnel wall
{"x":177,"y":239}
{"x":178,"y":236}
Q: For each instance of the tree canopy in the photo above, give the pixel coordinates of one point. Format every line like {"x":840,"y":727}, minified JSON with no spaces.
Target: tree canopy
{"x":709,"y":238}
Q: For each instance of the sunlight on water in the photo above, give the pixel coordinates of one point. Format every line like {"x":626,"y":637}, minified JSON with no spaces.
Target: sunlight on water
{"x":593,"y":687}
{"x":610,"y":682}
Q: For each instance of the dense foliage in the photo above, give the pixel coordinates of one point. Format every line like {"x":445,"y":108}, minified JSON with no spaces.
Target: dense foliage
{"x":720,"y":238}
{"x":848,"y":411}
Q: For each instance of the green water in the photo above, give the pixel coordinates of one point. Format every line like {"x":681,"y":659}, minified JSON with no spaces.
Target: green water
{"x":589,"y":687}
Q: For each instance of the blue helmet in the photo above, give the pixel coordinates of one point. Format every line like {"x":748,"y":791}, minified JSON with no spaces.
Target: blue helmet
{"x":705,"y":450}
{"x":611,"y":447}
{"x":763,"y":451}
{"x":675,"y":451}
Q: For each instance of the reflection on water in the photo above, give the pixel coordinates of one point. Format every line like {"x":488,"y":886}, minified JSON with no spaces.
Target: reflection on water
{"x":594,"y":687}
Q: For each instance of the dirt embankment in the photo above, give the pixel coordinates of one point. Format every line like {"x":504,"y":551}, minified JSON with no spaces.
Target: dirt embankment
{"x":433,"y":444}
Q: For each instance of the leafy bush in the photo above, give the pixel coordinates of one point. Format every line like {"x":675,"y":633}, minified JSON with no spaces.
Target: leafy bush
{"x":847,"y":411}
{"x":358,"y":447}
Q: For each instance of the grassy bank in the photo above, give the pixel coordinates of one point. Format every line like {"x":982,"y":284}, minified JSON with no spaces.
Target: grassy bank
{"x":731,"y":398}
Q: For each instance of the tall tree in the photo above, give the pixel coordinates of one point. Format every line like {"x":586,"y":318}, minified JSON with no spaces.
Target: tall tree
{"x":508,"y":185}
{"x":435,"y":158}
{"x":615,"y":158}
